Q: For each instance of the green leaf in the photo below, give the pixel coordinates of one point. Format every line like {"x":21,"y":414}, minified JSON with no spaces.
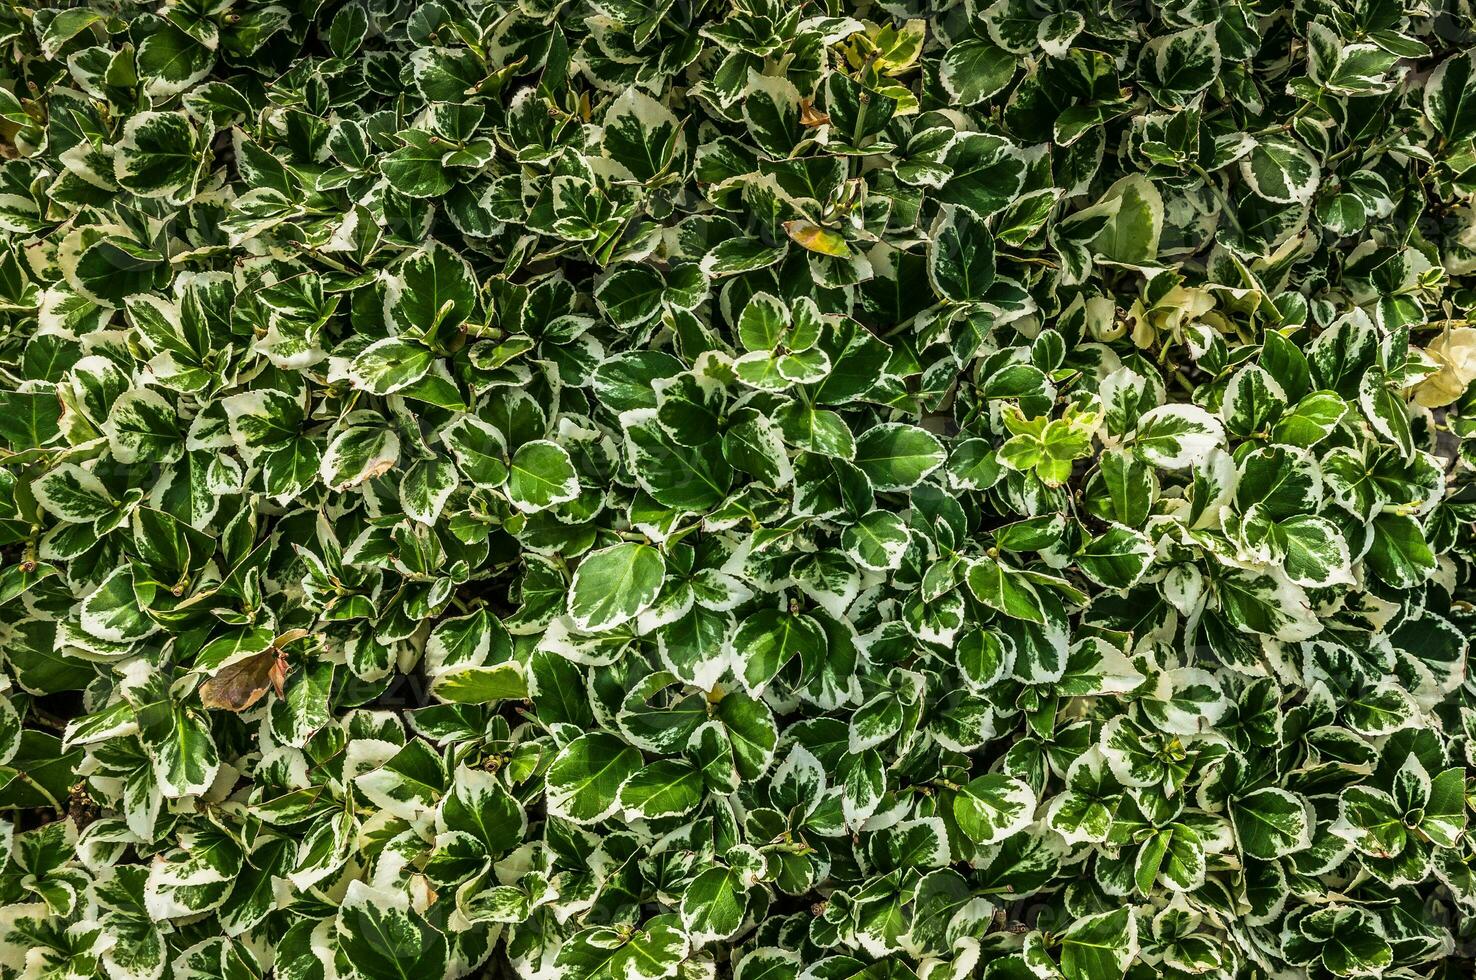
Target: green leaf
{"x":584,"y":779}
{"x":390,"y":943}
{"x":1271,"y":823}
{"x":713,"y":905}
{"x":961,"y":258}
{"x":390,"y":365}
{"x":417,"y":168}
{"x":614,"y":585}
{"x":160,"y":155}
{"x":480,"y":685}
{"x":541,"y":475}
{"x":992,"y":807}
{"x":1115,"y":559}
{"x":143,"y":427}
{"x":1444,"y":820}
{"x":28,"y":419}
{"x":1173,"y":437}
{"x":425,"y":489}
{"x":1004,"y":590}
{"x":1281,"y":170}
{"x":115,"y":610}
{"x":1183,"y":64}
{"x":70,"y":493}
{"x":898,"y":456}
{"x":986,"y":174}
{"x":1100,"y":946}
{"x":631,"y":295}
{"x":692,"y":478}
{"x":431,"y":293}
{"x":666,"y":788}
{"x":357,"y":454}
{"x":973,"y":70}
{"x":641,"y":136}
{"x":770,"y":638}
{"x":1134,"y":222}
{"x":1450,"y":97}
{"x":1399,"y":554}
{"x":480,"y":450}
{"x":652,"y":952}
{"x":771,"y":108}
{"x":60,"y":26}
{"x":877,"y":541}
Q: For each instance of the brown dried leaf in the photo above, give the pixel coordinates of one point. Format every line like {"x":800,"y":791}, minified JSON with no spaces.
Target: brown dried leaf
{"x":238,"y":686}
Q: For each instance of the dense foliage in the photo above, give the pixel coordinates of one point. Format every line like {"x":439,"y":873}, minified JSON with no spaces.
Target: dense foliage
{"x":771,"y":489}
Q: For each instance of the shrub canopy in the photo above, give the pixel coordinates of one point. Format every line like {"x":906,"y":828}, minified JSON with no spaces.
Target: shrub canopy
{"x":760,"y":489}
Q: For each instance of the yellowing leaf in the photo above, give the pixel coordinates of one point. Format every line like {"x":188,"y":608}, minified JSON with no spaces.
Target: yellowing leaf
{"x":817,"y":239}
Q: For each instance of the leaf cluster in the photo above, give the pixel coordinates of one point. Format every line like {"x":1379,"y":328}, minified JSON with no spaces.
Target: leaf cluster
{"x":680,"y":489}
